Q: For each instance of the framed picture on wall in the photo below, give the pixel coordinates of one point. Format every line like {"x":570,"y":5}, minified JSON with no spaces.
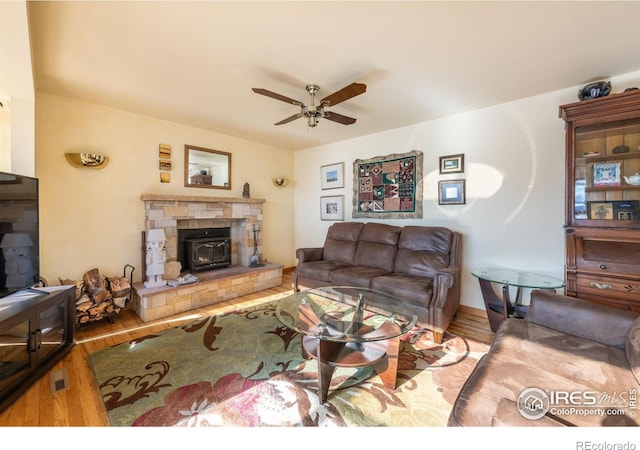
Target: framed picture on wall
{"x":332,"y":207}
{"x":452,"y":164}
{"x":332,"y":176}
{"x":451,"y":192}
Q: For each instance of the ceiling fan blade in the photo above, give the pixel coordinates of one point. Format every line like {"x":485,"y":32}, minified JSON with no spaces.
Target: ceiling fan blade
{"x":335,"y":117}
{"x":290,"y":118}
{"x":344,"y":94}
{"x":276,"y":96}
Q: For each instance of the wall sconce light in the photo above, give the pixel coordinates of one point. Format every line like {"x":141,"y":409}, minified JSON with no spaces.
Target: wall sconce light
{"x":87,"y":160}
{"x":280,"y":181}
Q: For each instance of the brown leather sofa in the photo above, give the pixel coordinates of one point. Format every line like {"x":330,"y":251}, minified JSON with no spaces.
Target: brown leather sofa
{"x":584,"y":357}
{"x":417,"y":264}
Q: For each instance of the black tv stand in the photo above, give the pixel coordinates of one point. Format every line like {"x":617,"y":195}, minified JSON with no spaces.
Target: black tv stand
{"x":40,"y":320}
{"x":33,"y":290}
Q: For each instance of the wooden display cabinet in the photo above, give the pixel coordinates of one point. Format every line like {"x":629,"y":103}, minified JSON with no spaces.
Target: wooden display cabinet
{"x":602,"y":217}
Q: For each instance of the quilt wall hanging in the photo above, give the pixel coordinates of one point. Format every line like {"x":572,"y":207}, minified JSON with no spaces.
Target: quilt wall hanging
{"x":388,"y":187}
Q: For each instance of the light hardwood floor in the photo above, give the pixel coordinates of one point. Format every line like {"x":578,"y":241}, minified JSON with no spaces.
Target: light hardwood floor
{"x":80,"y":405}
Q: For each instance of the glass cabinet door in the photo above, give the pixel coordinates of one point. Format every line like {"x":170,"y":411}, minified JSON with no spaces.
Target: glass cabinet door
{"x":15,"y":357}
{"x":51,"y":329}
{"x":607,"y":174}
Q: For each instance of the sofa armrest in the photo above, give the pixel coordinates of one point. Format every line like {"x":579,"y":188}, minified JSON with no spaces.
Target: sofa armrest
{"x":445,"y":287}
{"x":600,"y":323}
{"x":445,"y":277}
{"x":309,"y":254}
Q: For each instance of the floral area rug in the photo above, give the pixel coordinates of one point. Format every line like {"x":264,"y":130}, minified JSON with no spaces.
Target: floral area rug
{"x":246,"y":369}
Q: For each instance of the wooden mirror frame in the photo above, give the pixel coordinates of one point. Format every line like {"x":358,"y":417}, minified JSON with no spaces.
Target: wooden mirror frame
{"x":222,"y":160}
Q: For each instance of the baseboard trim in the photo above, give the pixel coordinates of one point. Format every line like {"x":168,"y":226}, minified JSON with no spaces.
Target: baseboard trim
{"x":472,"y":311}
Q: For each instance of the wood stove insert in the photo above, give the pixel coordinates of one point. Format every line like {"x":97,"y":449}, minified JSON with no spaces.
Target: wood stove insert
{"x":204,"y":248}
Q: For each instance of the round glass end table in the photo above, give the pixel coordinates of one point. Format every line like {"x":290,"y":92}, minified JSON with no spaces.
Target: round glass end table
{"x":345,"y":326}
{"x":502,"y":307}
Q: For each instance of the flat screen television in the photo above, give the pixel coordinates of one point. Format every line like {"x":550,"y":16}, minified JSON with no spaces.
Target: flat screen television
{"x":19,"y":233}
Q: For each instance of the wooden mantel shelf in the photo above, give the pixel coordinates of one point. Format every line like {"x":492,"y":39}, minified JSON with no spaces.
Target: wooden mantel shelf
{"x":198,"y":198}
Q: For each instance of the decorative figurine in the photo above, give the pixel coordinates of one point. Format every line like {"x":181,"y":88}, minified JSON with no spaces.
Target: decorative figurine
{"x":18,"y":265}
{"x":156,"y":257}
{"x":245,"y":191}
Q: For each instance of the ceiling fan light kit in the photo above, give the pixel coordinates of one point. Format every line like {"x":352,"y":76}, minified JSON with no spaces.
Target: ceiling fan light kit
{"x":315,"y":112}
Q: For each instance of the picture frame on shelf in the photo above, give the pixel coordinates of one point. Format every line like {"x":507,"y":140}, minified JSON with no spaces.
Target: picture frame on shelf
{"x":451,"y":192}
{"x":600,"y":210}
{"x":332,"y":176}
{"x":452,"y":164}
{"x":625,"y":209}
{"x":606,"y":174}
{"x":332,"y":207}
{"x":625,"y":215}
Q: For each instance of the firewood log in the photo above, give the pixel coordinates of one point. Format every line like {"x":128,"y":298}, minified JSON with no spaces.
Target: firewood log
{"x":79,"y":284}
{"x":95,"y":286}
{"x":82,"y":319}
{"x":120,"y":302}
{"x":98,"y":310}
{"x":119,"y":286}
{"x":84,"y":306}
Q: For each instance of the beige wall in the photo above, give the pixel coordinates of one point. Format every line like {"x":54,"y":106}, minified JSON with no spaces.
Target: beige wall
{"x":94,"y":218}
{"x":17,"y":121}
{"x":514,"y":172}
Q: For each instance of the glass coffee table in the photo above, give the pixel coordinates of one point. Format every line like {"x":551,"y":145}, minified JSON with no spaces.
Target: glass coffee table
{"x":344,"y":326}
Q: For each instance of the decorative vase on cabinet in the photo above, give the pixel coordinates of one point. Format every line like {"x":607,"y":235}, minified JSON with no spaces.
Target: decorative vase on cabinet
{"x":602,"y":216}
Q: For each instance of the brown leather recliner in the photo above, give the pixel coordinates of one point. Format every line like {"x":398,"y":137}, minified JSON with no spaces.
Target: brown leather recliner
{"x":419,"y":265}
{"x":564,"y":345}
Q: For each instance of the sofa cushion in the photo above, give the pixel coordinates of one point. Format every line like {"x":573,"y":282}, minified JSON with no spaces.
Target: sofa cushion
{"x":600,"y":367}
{"x":318,"y":270}
{"x":487,"y":398}
{"x":380,"y":233}
{"x":422,"y":251}
{"x":412,"y":290}
{"x":377,"y":246}
{"x":360,"y":276}
{"x":341,"y":242}
{"x":632,"y":348}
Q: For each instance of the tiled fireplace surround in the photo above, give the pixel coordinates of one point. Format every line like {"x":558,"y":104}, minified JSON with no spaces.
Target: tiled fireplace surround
{"x":173,"y":212}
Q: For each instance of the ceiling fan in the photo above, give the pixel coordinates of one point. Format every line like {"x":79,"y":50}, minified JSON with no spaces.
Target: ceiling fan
{"x":314,"y":112}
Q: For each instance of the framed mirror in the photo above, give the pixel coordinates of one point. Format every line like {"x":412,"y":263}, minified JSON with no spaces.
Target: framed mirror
{"x":206,"y":168}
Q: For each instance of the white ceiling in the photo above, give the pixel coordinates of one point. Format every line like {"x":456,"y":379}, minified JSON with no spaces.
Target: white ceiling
{"x":196,"y":62}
